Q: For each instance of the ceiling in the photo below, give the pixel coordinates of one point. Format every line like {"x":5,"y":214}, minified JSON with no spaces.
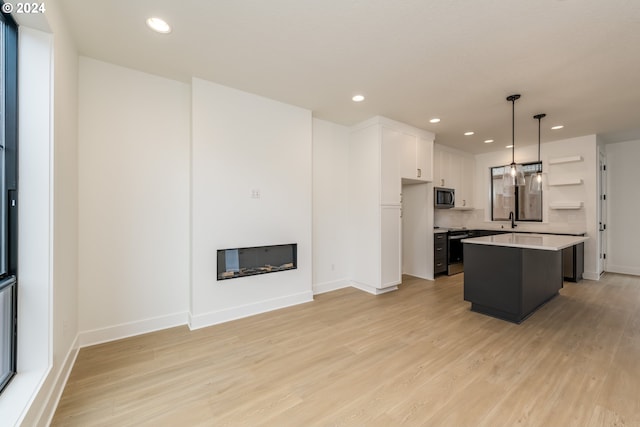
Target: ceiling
{"x":578,"y":61}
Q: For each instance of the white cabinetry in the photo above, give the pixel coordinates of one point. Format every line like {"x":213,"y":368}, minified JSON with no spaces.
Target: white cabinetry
{"x":390,"y":164}
{"x":464,"y":195}
{"x":455,"y":169}
{"x":424,"y":159}
{"x":412,"y":152}
{"x":447,"y":168}
{"x":407,"y":144}
{"x":382,"y":155}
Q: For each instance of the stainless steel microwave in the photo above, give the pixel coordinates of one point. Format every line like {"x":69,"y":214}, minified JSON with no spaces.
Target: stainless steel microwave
{"x":444,"y":198}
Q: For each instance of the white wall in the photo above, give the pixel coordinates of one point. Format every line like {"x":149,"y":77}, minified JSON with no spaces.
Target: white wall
{"x":417,"y":230}
{"x":133,"y":202}
{"x":330,"y":198}
{"x":623,"y":176}
{"x":557,"y":221}
{"x":241,"y":143}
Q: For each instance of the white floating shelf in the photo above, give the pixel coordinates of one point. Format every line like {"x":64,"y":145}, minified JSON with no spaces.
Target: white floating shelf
{"x":570,"y":159}
{"x":558,"y":183}
{"x":565,"y":205}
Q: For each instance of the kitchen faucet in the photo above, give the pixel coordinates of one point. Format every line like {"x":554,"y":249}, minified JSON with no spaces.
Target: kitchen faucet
{"x":512,"y":217}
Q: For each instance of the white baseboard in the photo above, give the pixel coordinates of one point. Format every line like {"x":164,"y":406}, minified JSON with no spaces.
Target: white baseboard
{"x":424,"y":277}
{"x":590,"y":275}
{"x":49,"y":410}
{"x":226,"y":315}
{"x":124,"y":330}
{"x":372,"y":290}
{"x":334,"y":285}
{"x":635,"y":271}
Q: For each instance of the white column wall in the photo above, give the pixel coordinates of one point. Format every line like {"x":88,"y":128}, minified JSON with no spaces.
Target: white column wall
{"x":243,"y":143}
{"x":330,"y":199}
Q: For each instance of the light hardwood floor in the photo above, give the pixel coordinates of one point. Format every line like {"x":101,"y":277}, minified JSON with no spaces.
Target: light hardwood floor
{"x":414,"y":357}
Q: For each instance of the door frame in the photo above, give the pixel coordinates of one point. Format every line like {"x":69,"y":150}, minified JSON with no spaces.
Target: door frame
{"x":602,"y":212}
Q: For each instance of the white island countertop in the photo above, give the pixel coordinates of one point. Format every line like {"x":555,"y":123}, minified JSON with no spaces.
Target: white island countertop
{"x":547,"y":242}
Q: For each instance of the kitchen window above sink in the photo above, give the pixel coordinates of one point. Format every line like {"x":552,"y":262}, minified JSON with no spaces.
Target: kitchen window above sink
{"x":526,"y":205}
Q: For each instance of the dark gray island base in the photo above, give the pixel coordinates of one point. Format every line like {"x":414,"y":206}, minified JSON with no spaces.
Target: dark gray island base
{"x":509,"y":276}
{"x":510,"y":283}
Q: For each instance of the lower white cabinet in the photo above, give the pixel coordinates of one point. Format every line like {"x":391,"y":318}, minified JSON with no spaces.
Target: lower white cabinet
{"x":377,"y":249}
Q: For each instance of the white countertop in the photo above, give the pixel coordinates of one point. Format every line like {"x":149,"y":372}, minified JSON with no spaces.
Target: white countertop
{"x":530,"y":227}
{"x":547,"y":242}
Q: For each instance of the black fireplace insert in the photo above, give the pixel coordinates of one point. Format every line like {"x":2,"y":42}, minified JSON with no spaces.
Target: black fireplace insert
{"x":241,"y":262}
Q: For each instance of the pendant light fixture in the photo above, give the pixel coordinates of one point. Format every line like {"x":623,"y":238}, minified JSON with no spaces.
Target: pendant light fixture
{"x":535,"y":185}
{"x":513,"y":174}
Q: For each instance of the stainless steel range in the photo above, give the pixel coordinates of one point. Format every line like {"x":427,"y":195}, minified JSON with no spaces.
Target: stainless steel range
{"x":455,"y":262}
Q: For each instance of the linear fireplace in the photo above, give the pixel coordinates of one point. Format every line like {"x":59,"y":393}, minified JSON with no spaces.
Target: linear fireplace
{"x":241,"y":262}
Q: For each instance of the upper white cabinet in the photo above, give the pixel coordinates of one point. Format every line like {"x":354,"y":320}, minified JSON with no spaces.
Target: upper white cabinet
{"x":424,"y":159}
{"x":390,"y":165}
{"x":411,"y":152}
{"x":417,"y":159}
{"x":454,"y":169}
{"x":408,"y":145}
{"x":406,"y":156}
{"x":464,"y":195}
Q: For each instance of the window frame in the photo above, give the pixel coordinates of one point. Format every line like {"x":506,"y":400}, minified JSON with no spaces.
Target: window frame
{"x":517,"y":191}
{"x":8,"y":281}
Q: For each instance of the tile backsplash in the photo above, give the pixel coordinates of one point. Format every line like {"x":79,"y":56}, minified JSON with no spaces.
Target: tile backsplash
{"x":446,"y":218}
{"x":558,"y":221}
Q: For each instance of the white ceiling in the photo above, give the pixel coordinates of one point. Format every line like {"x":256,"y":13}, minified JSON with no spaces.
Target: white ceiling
{"x":578,"y":61}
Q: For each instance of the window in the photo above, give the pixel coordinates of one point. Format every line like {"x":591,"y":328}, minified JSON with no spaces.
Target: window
{"x":8,"y":196}
{"x":526,"y":205}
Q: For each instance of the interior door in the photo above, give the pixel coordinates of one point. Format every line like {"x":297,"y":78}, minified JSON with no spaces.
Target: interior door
{"x":602,"y":214}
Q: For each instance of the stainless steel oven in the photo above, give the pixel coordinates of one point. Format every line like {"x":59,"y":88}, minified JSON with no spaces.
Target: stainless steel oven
{"x":455,"y":262}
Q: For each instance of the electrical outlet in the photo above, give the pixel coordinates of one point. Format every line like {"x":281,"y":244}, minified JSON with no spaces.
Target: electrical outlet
{"x":255,"y":194}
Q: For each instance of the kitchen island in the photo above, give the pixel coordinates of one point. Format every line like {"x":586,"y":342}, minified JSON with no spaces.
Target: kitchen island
{"x":510,"y":275}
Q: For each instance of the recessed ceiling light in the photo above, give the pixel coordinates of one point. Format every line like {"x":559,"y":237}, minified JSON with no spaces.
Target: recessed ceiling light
{"x":358,"y":98}
{"x":509,"y":146}
{"x":434,"y":120}
{"x":468,"y":133}
{"x":557,"y":127}
{"x":488,"y":141}
{"x":159,"y":25}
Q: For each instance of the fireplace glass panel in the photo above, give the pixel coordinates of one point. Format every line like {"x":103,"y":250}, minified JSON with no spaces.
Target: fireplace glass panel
{"x":240,"y":262}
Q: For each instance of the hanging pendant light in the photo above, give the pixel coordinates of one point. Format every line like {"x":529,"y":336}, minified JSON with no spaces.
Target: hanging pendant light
{"x":513,"y":174}
{"x":535,"y":185}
